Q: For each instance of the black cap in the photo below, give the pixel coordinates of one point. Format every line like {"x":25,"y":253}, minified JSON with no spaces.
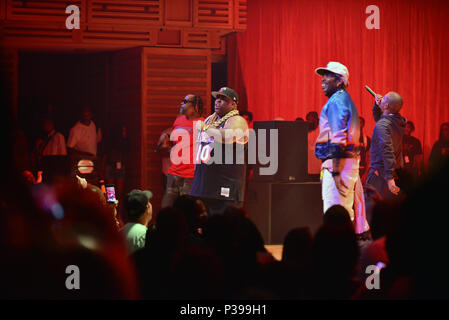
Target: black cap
{"x":227,"y":92}
{"x":136,"y":202}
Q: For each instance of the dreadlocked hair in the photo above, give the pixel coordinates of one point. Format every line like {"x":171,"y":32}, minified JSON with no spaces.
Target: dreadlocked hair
{"x":198,"y":104}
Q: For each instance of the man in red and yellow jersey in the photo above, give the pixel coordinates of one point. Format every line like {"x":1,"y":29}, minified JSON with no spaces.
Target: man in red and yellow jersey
{"x":182,"y":168}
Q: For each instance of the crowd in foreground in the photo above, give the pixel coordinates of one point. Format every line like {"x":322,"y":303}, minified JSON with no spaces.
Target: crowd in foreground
{"x":187,"y":255}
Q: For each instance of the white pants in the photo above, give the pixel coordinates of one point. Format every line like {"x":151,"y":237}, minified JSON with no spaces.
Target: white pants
{"x":349,"y":176}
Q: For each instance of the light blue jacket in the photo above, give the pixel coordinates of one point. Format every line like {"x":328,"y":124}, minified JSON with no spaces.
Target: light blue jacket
{"x":339,"y":128}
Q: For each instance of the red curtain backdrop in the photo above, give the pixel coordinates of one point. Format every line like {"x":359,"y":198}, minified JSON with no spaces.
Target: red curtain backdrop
{"x":271,"y":65}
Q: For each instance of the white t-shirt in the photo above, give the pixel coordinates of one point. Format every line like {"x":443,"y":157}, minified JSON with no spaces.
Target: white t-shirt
{"x":56,"y":146}
{"x":84,"y":138}
{"x":134,"y":234}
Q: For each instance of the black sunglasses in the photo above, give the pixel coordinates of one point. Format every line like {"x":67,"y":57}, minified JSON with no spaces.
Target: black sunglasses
{"x":187,"y":101}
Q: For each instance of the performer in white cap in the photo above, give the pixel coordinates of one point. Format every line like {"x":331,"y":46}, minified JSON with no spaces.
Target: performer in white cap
{"x":337,"y":146}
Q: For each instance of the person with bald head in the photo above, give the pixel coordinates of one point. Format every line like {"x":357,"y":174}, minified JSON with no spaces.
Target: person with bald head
{"x":386,"y":145}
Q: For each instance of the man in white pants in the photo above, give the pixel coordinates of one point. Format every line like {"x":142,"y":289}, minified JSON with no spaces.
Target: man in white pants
{"x":338,"y":146}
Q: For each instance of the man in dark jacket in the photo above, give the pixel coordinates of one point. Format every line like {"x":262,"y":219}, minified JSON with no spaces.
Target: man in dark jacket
{"x":386,"y":144}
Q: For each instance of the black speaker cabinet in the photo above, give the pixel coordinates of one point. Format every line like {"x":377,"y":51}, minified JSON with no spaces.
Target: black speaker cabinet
{"x":276,"y":208}
{"x":292,"y":151}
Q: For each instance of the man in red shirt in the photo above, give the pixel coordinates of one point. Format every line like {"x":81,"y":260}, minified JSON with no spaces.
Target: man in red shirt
{"x":182,"y":168}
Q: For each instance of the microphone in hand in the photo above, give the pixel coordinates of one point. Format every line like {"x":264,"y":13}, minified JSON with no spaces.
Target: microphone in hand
{"x":376,"y":96}
{"x":161,"y":142}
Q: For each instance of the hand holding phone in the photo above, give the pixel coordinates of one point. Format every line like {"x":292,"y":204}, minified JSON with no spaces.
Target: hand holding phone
{"x":110,"y":193}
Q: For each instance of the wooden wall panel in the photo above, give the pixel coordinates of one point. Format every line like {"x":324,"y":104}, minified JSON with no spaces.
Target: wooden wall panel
{"x":221,"y":49}
{"x":125,"y":105}
{"x":178,"y":13}
{"x":16,"y":33}
{"x":43,"y":10}
{"x":143,"y":12}
{"x":168,"y":75}
{"x":213,"y":13}
{"x":125,"y":36}
{"x":196,"y":39}
{"x":240,"y":14}
{"x":120,"y":24}
{"x":169,"y":38}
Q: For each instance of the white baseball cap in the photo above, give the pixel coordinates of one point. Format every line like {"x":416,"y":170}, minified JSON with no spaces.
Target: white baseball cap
{"x":337,"y":68}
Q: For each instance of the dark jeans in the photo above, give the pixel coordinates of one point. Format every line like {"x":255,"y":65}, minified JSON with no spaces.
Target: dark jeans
{"x":217,"y":206}
{"x":381,"y":185}
{"x":176,"y":186}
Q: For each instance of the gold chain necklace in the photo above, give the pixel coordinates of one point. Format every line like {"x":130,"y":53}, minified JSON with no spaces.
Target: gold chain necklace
{"x":212,"y":123}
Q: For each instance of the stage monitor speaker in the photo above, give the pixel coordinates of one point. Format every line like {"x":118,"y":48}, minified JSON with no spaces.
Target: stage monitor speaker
{"x":276,"y":208}
{"x":292,"y":150}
